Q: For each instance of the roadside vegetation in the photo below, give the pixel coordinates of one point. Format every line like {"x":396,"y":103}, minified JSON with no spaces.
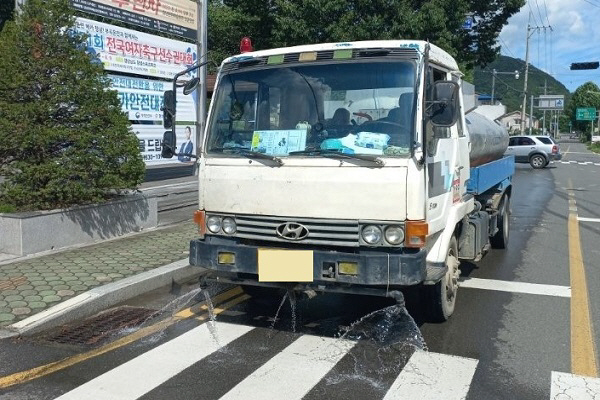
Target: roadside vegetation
{"x":63,"y":137}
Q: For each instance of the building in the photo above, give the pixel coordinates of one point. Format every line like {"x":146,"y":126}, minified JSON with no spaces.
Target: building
{"x":512,"y":121}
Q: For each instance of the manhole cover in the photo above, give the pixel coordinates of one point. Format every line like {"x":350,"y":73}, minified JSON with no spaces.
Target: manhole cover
{"x":95,"y":329}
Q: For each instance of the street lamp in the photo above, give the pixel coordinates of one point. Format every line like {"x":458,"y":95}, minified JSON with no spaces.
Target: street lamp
{"x":494,"y":73}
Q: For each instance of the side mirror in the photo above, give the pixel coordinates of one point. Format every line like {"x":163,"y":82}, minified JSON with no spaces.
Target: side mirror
{"x":445,"y":104}
{"x":191,"y":85}
{"x":168,"y":108}
{"x":168,"y":145}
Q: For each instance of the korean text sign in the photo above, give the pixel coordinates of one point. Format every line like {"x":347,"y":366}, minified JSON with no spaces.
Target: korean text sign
{"x":178,"y":17}
{"x":129,"y":51}
{"x":142,"y":99}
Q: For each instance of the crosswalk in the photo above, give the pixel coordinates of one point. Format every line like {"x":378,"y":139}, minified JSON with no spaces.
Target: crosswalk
{"x":295,"y":367}
{"x":580,"y":162}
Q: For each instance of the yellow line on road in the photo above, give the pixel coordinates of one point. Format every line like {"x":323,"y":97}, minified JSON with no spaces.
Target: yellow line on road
{"x":583,"y":348}
{"x":38,"y":372}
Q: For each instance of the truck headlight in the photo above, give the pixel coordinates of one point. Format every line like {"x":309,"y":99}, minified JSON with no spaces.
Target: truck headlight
{"x":394,"y":234}
{"x":229,"y":226}
{"x":371,"y":234}
{"x":213,"y":223}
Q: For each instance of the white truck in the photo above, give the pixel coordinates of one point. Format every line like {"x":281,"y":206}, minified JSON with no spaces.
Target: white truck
{"x":348,"y":167}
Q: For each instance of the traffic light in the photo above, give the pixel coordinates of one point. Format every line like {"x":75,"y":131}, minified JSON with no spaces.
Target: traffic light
{"x":585,"y":65}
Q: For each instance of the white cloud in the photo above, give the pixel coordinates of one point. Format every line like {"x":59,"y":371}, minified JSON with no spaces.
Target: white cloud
{"x":574,"y":38}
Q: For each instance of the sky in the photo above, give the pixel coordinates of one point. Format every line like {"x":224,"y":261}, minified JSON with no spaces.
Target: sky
{"x":575,"y":38}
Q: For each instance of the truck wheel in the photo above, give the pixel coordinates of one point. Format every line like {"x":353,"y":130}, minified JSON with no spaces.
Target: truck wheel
{"x":537,"y":161}
{"x":441,"y":297}
{"x":500,"y":239}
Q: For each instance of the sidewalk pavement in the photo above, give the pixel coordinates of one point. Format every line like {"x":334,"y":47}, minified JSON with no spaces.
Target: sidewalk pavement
{"x":30,"y":286}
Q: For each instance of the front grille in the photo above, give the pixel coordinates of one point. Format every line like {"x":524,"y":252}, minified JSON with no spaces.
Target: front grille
{"x":325,"y":232}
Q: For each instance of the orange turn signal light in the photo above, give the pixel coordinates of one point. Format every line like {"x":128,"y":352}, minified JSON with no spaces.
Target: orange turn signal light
{"x":416,"y":233}
{"x":200,"y":220}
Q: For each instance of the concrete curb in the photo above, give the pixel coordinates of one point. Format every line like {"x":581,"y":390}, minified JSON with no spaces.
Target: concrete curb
{"x":102,"y":297}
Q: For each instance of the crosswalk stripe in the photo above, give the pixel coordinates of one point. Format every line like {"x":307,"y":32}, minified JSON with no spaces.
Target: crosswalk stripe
{"x":292,"y":372}
{"x":569,"y":386}
{"x":433,"y":376}
{"x":516,"y":287}
{"x":138,"y":376}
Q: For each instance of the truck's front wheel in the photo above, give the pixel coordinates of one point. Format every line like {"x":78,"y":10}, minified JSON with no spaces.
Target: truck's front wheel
{"x":441,"y":297}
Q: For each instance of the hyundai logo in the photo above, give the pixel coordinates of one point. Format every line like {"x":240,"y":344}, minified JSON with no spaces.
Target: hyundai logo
{"x":292,"y":231}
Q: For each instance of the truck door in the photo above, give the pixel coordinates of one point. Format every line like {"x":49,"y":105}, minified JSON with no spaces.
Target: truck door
{"x":446,"y":178}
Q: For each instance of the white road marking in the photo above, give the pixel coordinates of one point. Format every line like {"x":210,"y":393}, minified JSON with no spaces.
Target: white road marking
{"x":584,"y":219}
{"x":294,"y":371}
{"x":140,"y":375}
{"x":433,"y":376}
{"x":516,"y":287}
{"x":568,"y":386}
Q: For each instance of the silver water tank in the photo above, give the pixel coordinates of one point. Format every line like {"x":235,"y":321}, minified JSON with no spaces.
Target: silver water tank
{"x":489,"y":139}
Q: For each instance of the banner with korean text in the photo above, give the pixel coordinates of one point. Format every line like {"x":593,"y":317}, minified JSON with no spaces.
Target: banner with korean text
{"x":178,"y":17}
{"x":150,"y":142}
{"x":142,"y":99}
{"x":125,"y":50}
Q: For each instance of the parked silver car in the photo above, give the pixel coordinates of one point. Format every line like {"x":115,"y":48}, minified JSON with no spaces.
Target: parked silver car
{"x":535,"y":150}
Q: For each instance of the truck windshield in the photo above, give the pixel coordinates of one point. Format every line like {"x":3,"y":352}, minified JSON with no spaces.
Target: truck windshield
{"x":349,"y":107}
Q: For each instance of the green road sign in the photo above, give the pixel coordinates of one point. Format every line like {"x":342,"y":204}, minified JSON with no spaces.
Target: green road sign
{"x":585,"y":114}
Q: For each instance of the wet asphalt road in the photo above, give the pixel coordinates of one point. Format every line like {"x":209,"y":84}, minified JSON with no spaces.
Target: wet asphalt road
{"x":518,"y":339}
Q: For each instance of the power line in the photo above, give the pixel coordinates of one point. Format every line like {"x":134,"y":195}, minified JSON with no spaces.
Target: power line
{"x":539,"y":13}
{"x":532,"y":14}
{"x":506,"y":47}
{"x":546,"y":11}
{"x":594,"y":4}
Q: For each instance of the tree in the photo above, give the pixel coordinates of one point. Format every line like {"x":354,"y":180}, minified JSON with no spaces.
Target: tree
{"x":63,"y":137}
{"x":275,"y":23}
{"x":586,"y":95}
{"x":6,"y":11}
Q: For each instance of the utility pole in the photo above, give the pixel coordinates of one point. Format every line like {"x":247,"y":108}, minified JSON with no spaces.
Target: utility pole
{"x":494,"y":73}
{"x":493,"y":84}
{"x":201,"y":39}
{"x":545,"y":92}
{"x":531,"y":29}
{"x":531,"y":115}
{"x":523,"y":107}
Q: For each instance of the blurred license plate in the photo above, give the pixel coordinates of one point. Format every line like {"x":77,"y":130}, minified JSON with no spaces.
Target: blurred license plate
{"x":275,"y":265}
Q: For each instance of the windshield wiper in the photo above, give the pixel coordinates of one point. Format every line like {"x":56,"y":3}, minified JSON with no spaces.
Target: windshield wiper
{"x":248,"y":153}
{"x":337,"y":154}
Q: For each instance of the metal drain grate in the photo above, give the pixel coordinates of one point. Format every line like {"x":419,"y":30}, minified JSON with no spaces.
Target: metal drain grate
{"x":94,"y":330}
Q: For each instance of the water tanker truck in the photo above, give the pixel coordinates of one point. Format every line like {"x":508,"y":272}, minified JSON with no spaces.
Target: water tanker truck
{"x":351,"y":168}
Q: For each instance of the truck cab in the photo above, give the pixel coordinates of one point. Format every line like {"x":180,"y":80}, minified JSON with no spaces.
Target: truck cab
{"x":338,"y":167}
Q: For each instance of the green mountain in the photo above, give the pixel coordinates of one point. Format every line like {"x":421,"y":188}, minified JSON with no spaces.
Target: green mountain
{"x":509,"y":89}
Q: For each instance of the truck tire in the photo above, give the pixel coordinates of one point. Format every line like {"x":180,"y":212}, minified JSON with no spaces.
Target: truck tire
{"x":441,"y":297}
{"x":537,"y":161}
{"x":500,"y":239}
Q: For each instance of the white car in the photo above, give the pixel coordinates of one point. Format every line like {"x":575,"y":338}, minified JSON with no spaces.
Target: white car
{"x":535,"y":150}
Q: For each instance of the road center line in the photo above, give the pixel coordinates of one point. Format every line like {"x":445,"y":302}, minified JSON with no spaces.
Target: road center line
{"x":584,"y":219}
{"x":516,"y":287}
{"x":583,"y":349}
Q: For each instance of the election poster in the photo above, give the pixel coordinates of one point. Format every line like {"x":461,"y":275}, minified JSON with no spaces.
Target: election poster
{"x":177,"y":17}
{"x":150,"y":143}
{"x":142,"y":99}
{"x":125,"y":50}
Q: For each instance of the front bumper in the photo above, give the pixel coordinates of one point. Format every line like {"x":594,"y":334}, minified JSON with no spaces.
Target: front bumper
{"x":375,"y":268}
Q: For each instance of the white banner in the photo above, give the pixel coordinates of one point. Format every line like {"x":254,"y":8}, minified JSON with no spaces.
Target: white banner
{"x":150,"y":143}
{"x":129,"y":51}
{"x":142,"y":99}
{"x":178,"y":17}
